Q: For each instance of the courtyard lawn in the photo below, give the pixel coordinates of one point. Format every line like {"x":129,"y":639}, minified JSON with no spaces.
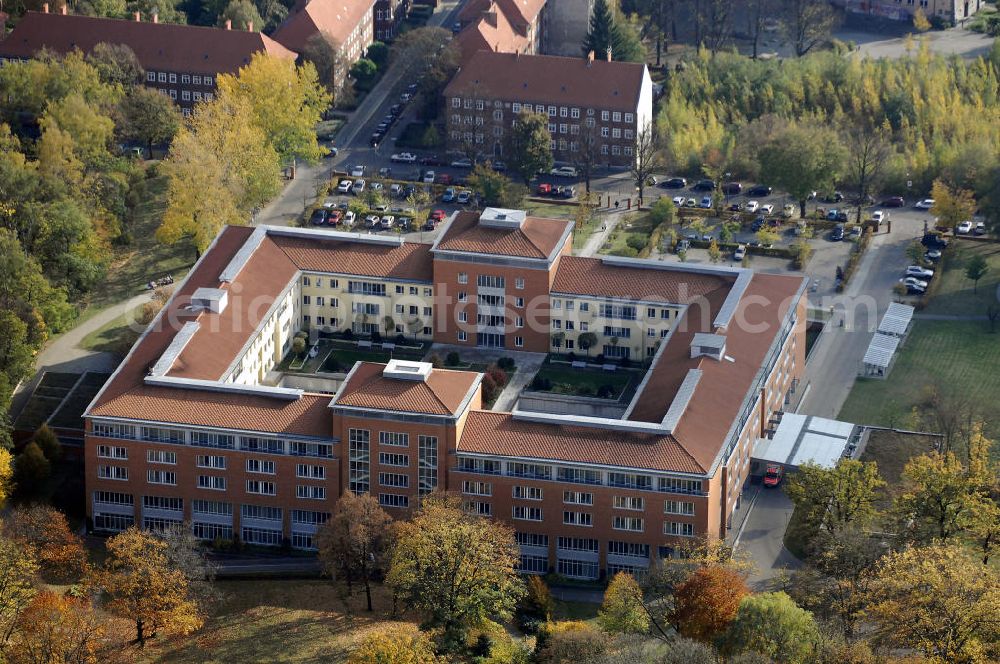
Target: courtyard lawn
{"x":617,"y":244}
{"x":586,"y":382}
{"x":891,"y":451}
{"x":956,"y":295}
{"x":959,"y":357}
{"x":115,"y":336}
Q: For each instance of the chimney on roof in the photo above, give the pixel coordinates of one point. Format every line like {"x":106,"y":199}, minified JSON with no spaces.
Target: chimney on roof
{"x":45,"y":8}
{"x":63,"y":10}
{"x":138,"y":17}
{"x":249,"y":26}
{"x":609,"y":54}
{"x":590,"y":58}
{"x":229,"y":24}
{"x":156,"y":17}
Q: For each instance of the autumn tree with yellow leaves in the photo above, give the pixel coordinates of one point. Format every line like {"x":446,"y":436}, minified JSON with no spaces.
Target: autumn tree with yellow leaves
{"x":142,"y":586}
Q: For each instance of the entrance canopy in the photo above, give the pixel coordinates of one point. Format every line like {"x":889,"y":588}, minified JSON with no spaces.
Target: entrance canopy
{"x":803,"y":438}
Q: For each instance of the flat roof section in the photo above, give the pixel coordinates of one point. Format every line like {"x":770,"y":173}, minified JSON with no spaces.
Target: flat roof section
{"x":803,"y":439}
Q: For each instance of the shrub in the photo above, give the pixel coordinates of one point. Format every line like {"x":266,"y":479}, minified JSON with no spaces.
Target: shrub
{"x":535,"y":608}
{"x":490,"y":389}
{"x":452,"y":359}
{"x":31,"y":469}
{"x":506,"y":363}
{"x":498,"y":375}
{"x":348,"y":333}
{"x":636,"y":241}
{"x":48,"y":443}
{"x":541,"y":384}
{"x":435,"y":361}
{"x":605,"y":391}
{"x":585,"y":390}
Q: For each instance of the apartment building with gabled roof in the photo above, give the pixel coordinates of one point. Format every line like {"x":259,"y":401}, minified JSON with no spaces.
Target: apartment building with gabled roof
{"x":198,"y":424}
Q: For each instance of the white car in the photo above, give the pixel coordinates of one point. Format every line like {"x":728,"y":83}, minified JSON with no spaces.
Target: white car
{"x":963,"y":228}
{"x":752,"y":206}
{"x":767,"y":208}
{"x":349,"y":217}
{"x":878,"y":216}
{"x":706,"y":202}
{"x":919,"y":272}
{"x":344,"y":186}
{"x":980,"y":228}
{"x":404,"y":158}
{"x":913,"y":282}
{"x":464,"y":162}
{"x":358,"y":171}
{"x":925,"y":204}
{"x":429,"y":177}
{"x":359,"y":187}
{"x":563,"y":172}
{"x":788,"y":211}
{"x":678,"y":201}
{"x":739,"y":252}
{"x":387,"y":221}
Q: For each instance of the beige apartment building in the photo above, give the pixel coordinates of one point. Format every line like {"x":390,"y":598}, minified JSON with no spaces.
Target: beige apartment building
{"x":954,"y":11}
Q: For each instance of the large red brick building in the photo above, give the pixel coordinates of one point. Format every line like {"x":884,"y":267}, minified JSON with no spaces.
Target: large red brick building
{"x":197,"y":426}
{"x":181,"y":61}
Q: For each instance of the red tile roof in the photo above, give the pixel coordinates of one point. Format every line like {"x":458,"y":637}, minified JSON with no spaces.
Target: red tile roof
{"x":717,"y":399}
{"x":410,"y":261}
{"x":336,"y":18}
{"x":491,"y":32}
{"x":488,"y":432}
{"x":592,"y":276}
{"x":550,"y":80}
{"x":441,"y":394}
{"x":158,"y":46}
{"x":536,"y":238}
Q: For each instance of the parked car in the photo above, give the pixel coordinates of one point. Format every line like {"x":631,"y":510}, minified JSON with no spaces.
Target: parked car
{"x":404,"y":158}
{"x":395,"y":190}
{"x":980,"y":228}
{"x":449,"y":195}
{"x":431,"y":160}
{"x":933,"y":255}
{"x":387,"y":222}
{"x":683,"y":245}
{"x":835,"y":197}
{"x":405,"y":224}
{"x":678,"y":201}
{"x":933,"y":241}
{"x":545,"y":189}
{"x":437,"y":215}
{"x":913,"y":281}
{"x":567,"y":192}
{"x":563,"y":172}
{"x":963,"y":228}
{"x":752,"y":206}
{"x":358,"y":171}
{"x":855,"y":232}
{"x":333,"y":217}
{"x":358,"y":188}
{"x":740,"y":252}
{"x":464,"y":162}
{"x":919,"y":272}
{"x":735,"y":207}
{"x":766,"y":208}
{"x":732,"y":188}
{"x":498,"y":166}
{"x":915,"y":290}
{"x":674,"y":183}
{"x":345,"y":186}
{"x":706,"y":202}
{"x":758,"y":224}
{"x":704,"y":185}
{"x":371,"y":221}
{"x":375,"y":139}
{"x":925,"y":204}
{"x":760,"y":190}
{"x":428,"y":177}
{"x":464,"y":197}
{"x":318,"y":217}
{"x":773,"y":474}
{"x":349,"y":217}
{"x":381,"y":207}
{"x":690,"y":203}
{"x":377,"y":186}
{"x":384,"y":172}
{"x":838,"y":233}
{"x":788,"y":211}
{"x":878,"y":217}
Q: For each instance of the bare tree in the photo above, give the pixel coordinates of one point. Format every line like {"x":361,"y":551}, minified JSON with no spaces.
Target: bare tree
{"x":757,"y":13}
{"x":587,"y":156}
{"x":807,"y":23}
{"x":647,"y":159}
{"x":718,"y":19}
{"x":868,"y":148}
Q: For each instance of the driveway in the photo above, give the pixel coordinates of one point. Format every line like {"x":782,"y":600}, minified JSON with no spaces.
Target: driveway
{"x":957,"y":41}
{"x":762,"y":536}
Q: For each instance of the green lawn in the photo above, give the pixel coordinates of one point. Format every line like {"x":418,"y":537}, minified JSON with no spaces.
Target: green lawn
{"x":145,"y":259}
{"x":958,"y":357}
{"x":568,"y":380}
{"x":891,"y":451}
{"x":956,"y":295}
{"x":115,"y":336}
{"x":640,"y":225}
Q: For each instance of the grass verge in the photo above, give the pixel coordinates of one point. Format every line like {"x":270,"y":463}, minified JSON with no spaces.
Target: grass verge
{"x":956,"y":295}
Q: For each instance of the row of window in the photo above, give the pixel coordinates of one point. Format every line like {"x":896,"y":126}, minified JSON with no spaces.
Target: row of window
{"x":586,"y":519}
{"x":211,"y":482}
{"x":359,"y":463}
{"x":550,"y":110}
{"x":635,"y":503}
{"x":185,"y":79}
{"x":214,"y":462}
{"x":227,"y":441}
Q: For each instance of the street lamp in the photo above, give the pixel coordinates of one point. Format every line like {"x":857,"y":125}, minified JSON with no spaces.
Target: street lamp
{"x":726,"y":188}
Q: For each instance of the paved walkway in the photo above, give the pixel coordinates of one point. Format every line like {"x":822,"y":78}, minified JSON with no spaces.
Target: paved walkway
{"x":65,"y":354}
{"x":947,"y":317}
{"x":528,"y":365}
{"x":596,"y":240}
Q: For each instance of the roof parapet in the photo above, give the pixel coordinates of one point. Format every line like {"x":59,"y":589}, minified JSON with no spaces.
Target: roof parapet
{"x":175,"y":348}
{"x":284,"y":393}
{"x":239,"y":261}
{"x":314,"y":234}
{"x":681,"y":400}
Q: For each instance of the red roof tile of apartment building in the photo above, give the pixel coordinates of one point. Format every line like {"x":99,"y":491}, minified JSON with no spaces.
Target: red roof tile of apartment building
{"x":549,"y":79}
{"x":488,"y":432}
{"x":333,"y":18}
{"x":442,"y":393}
{"x":158,"y":46}
{"x":719,"y":394}
{"x":491,"y":31}
{"x":410,"y":261}
{"x":578,"y":275}
{"x":537,"y":237}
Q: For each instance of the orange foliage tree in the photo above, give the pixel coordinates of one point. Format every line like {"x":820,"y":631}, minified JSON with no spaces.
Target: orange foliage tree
{"x":707,"y":601}
{"x":43,"y":530}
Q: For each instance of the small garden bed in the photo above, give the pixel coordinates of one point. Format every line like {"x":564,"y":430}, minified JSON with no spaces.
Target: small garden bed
{"x":583,"y":382}
{"x":343,"y":353}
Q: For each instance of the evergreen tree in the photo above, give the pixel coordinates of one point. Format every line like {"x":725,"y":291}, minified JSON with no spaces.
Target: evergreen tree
{"x":605,"y":32}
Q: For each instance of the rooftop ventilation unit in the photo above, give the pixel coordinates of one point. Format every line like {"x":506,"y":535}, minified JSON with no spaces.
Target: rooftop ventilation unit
{"x":712,"y":345}
{"x":210,"y":299}
{"x":501,"y":218}
{"x":403,"y":370}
